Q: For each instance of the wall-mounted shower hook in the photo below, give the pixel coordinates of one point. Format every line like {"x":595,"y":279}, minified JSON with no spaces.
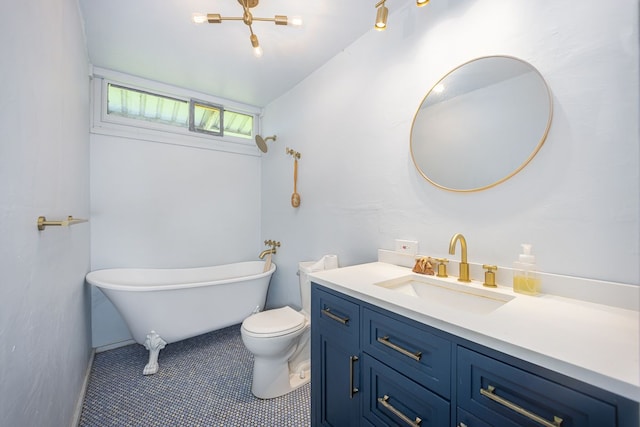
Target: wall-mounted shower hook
{"x":294,"y":153}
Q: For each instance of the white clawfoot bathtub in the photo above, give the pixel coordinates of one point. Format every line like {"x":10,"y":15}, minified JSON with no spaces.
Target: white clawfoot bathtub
{"x":161,"y":306}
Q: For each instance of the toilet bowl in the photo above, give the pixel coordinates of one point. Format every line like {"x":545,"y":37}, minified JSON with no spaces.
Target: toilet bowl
{"x":279,"y":340}
{"x":276,"y":337}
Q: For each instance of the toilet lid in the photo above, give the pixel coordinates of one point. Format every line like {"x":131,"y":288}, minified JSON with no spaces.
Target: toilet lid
{"x":280,"y":320}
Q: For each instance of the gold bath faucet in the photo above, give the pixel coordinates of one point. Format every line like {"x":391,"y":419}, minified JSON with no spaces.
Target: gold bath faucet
{"x":464,"y":265}
{"x":272,"y":250}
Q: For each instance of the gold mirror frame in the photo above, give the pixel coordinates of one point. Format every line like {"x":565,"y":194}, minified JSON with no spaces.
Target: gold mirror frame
{"x":488,"y":79}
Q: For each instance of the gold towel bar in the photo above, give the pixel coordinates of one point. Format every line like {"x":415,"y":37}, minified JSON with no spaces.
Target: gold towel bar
{"x":42,"y":222}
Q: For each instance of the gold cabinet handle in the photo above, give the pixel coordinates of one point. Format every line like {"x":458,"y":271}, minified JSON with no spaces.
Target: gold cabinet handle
{"x":352,"y":390}
{"x":397,"y":413}
{"x":489,"y":392}
{"x":385,"y":340}
{"x":330,"y":315}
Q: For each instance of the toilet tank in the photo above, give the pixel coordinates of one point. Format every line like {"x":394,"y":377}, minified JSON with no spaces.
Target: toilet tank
{"x":304,"y":268}
{"x":327,"y":262}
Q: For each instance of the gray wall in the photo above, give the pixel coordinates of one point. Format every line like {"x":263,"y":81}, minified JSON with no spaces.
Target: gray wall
{"x":577,"y":202}
{"x":44,"y":170}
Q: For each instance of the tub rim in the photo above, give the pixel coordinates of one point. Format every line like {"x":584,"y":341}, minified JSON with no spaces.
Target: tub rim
{"x":93,"y":278}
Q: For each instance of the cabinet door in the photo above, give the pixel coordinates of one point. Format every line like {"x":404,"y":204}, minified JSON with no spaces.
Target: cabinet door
{"x":391,"y":399}
{"x":335,"y":367}
{"x":504,"y":395}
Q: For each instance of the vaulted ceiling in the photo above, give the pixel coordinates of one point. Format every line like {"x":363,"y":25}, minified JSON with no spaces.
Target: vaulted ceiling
{"x":157,"y":40}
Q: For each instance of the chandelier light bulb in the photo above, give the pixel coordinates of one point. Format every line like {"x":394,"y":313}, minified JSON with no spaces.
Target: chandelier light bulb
{"x":198,"y":18}
{"x":295,"y":21}
{"x":257,"y":50}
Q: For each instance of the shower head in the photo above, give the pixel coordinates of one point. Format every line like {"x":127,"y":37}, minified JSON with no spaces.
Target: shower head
{"x":262,"y":142}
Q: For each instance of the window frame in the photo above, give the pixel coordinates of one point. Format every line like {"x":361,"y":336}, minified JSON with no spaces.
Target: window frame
{"x":113,"y":124}
{"x":192,"y":116}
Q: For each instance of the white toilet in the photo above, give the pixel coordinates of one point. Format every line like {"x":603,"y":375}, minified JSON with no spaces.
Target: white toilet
{"x":279,"y":341}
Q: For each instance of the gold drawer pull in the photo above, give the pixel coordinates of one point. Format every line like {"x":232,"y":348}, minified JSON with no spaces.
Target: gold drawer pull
{"x":489,"y":392}
{"x":397,"y":413}
{"x":385,"y":340}
{"x":330,"y":315}
{"x":352,"y":390}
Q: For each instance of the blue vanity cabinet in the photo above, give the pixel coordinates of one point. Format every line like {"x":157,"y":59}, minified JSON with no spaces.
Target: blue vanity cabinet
{"x":373,"y":367}
{"x":335,"y":352}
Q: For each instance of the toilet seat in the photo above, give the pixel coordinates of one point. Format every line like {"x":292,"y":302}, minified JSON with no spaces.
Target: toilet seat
{"x":273,"y":323}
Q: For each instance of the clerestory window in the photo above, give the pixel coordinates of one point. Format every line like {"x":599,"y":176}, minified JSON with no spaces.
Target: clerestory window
{"x":194,"y":115}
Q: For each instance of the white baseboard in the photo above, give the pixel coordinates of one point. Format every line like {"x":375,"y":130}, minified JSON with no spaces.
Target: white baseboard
{"x":75,"y":421}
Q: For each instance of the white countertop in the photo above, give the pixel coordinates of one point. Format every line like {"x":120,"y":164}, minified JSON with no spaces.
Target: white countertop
{"x":594,"y":343}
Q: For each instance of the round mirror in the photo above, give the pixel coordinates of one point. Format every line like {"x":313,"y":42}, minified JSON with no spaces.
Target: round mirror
{"x":481,"y":124}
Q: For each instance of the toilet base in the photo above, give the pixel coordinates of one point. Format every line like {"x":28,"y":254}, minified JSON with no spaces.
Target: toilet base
{"x":269,"y":383}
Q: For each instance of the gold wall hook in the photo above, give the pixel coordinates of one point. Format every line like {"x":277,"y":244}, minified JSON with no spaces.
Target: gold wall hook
{"x":42,"y":222}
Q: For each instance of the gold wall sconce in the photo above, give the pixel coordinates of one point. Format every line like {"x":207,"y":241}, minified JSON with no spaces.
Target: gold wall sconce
{"x":382,"y":13}
{"x":381,"y":16}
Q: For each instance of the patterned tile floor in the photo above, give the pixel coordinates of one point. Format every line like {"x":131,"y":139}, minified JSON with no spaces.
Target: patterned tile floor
{"x":202,"y":381}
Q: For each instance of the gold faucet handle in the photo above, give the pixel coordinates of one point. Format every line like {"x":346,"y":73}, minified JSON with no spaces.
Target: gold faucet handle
{"x":490,"y":275}
{"x":442,"y":267}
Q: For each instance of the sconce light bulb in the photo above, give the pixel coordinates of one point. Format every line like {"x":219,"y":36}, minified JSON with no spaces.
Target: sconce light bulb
{"x":421,"y":3}
{"x":381,"y":18}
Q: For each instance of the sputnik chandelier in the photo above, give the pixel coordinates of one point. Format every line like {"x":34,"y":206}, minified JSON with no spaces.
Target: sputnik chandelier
{"x":382,"y":13}
{"x":248,"y":18}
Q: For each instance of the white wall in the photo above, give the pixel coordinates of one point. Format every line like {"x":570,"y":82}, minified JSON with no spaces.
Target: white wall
{"x":161,"y":205}
{"x":576,"y":202}
{"x":44,"y":160}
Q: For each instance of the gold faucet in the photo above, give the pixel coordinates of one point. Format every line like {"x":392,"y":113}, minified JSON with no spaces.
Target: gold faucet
{"x":272,"y":250}
{"x":464,"y":265}
{"x":266,"y":251}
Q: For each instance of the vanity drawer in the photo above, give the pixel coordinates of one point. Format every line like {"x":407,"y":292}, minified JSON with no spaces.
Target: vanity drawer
{"x":410,"y":348}
{"x":391,"y":399}
{"x":465,"y":419}
{"x":336,"y":312}
{"x":508,"y":396}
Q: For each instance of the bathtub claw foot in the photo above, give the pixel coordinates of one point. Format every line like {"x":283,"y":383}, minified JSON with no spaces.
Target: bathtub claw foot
{"x":154,"y":343}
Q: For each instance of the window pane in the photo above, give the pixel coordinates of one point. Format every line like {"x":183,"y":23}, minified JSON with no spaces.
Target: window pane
{"x":205,"y":118}
{"x":142,"y":105}
{"x":238,"y":124}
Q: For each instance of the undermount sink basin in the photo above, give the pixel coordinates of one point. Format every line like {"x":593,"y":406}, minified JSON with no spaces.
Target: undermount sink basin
{"x":461,"y":296}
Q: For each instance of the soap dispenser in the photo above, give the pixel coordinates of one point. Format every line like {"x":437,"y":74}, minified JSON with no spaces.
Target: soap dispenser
{"x":525,"y":276}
